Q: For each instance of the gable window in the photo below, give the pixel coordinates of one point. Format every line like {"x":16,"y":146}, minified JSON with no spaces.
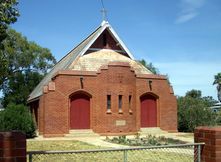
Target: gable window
{"x":130,"y":101}
{"x":108,"y":103}
{"x":130,"y":107}
{"x":104,"y":39}
{"x":120,"y":103}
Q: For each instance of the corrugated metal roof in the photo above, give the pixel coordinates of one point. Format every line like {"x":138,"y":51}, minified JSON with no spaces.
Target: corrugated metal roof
{"x":62,"y":64}
{"x":67,"y":61}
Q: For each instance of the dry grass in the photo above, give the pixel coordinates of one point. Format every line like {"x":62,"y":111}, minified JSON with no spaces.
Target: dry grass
{"x":187,"y":135}
{"x":58,"y":145}
{"x":160,"y":155}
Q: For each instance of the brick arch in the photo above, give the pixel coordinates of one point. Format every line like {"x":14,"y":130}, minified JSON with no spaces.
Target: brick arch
{"x":80,"y":92}
{"x":148,"y":110}
{"x":80,"y":110}
{"x":151,"y":94}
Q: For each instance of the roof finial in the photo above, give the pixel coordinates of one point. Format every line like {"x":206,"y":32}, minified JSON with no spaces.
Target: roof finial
{"x":103,"y":11}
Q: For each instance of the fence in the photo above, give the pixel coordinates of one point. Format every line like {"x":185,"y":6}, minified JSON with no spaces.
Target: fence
{"x":168,"y":153}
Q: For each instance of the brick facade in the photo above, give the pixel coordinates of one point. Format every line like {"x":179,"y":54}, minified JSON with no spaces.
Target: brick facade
{"x":102,"y":67}
{"x":211,"y":136}
{"x":12,"y":147}
{"x":114,"y":79}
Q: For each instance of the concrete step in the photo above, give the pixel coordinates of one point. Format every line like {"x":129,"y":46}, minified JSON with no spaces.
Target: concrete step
{"x":82,"y":133}
{"x":152,"y":130}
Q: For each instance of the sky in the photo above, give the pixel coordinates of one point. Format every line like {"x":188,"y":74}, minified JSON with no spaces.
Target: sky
{"x":182,"y":38}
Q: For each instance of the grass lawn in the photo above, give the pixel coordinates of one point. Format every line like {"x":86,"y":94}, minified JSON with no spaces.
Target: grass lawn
{"x":159,"y":155}
{"x":58,"y":145}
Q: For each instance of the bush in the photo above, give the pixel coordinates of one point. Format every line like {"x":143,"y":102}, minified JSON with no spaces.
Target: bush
{"x":17,"y":117}
{"x":1,"y":119}
{"x":149,"y":140}
{"x":193,"y":111}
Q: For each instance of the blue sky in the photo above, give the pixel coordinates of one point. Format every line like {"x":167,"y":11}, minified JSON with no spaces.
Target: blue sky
{"x":182,"y":38}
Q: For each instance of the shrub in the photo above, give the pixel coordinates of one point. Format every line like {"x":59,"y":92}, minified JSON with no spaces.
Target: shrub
{"x":17,"y":117}
{"x":193,"y":111}
{"x":1,"y":119}
{"x":149,"y":140}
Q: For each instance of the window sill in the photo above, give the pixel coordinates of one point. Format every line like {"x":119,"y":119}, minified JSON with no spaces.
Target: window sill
{"x":130,"y":112}
{"x":109,"y":111}
{"x":120,"y":111}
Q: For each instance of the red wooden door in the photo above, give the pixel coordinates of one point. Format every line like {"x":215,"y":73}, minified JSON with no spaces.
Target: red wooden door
{"x":80,"y":112}
{"x":148,"y":111}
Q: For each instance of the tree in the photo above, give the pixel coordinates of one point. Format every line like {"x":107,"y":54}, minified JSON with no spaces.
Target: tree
{"x":17,"y":117}
{"x":217,"y":81}
{"x":193,"y":111}
{"x":26,"y":63}
{"x":8,"y":15}
{"x":20,"y":86}
{"x":149,"y":66}
{"x":194,"y":93}
{"x":152,"y":68}
{"x":1,"y":104}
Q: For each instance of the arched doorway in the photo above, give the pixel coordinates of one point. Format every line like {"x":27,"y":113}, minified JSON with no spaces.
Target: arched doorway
{"x":148,"y":110}
{"x":80,"y":111}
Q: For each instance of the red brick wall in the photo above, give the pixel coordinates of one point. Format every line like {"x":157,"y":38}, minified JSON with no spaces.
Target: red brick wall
{"x":166,"y":102}
{"x":115,"y":79}
{"x":41,"y":115}
{"x":211,"y":136}
{"x":34,"y":107}
{"x":12,"y":147}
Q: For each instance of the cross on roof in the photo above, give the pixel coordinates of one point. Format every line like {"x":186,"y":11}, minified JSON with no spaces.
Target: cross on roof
{"x":104,"y":14}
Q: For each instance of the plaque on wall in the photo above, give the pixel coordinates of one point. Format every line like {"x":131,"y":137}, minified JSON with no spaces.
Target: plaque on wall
{"x":120,"y":122}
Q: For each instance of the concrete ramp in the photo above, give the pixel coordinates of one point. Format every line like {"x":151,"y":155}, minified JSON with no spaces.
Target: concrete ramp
{"x":152,"y":130}
{"x":82,"y":133}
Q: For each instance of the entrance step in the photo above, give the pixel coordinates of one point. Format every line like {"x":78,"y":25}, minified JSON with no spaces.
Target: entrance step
{"x":82,"y":133}
{"x":152,"y":130}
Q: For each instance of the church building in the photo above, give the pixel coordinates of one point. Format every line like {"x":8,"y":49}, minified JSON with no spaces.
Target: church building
{"x":99,"y":86}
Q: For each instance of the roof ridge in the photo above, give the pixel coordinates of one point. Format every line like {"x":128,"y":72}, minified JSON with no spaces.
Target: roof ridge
{"x":38,"y":89}
{"x":78,"y":44}
{"x":79,"y":50}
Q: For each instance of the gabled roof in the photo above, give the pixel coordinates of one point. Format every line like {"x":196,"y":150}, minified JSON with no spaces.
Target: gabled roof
{"x":78,"y":51}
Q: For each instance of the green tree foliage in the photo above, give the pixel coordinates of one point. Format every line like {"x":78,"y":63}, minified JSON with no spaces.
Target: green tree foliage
{"x":218,"y":118}
{"x":26,"y":63}
{"x":149,"y":66}
{"x":217,"y":81}
{"x":17,"y":117}
{"x":20,"y":86}
{"x":0,"y":102}
{"x":193,"y":111}
{"x":8,"y":15}
{"x":152,"y":68}
{"x":194,"y":93}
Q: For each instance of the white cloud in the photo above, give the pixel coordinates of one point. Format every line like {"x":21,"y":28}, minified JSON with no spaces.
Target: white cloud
{"x":186,"y":17}
{"x":189,"y":10}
